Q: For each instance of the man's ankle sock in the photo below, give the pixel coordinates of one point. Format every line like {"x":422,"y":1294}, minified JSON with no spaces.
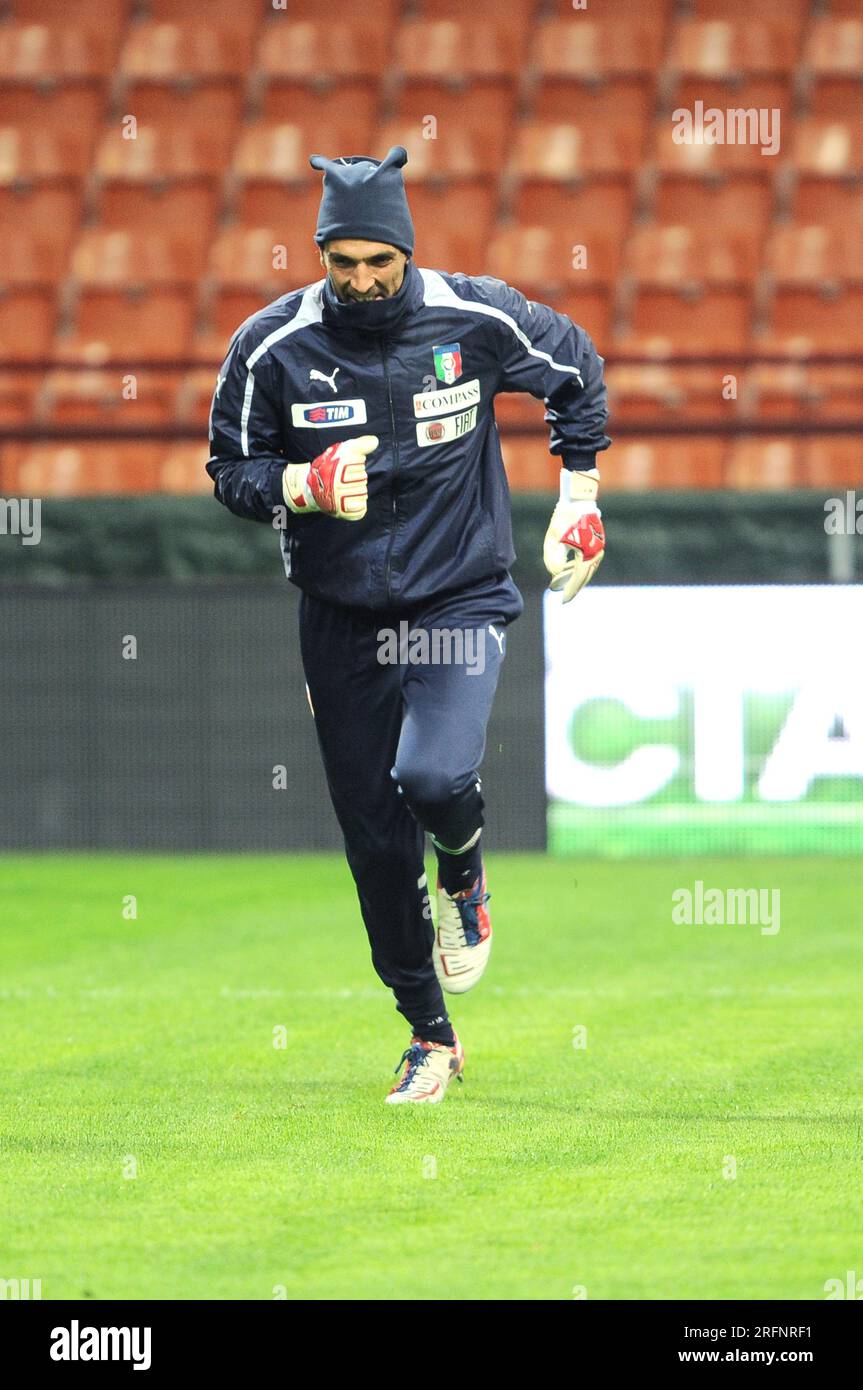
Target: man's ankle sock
{"x":438,"y":1030}
{"x":460,"y":869}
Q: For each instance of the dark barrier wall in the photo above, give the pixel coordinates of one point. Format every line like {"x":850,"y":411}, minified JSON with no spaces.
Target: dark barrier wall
{"x":175,"y":749}
{"x":654,"y":538}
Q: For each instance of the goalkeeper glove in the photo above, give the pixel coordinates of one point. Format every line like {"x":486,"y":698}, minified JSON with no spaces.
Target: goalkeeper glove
{"x":334,"y":483}
{"x":575,"y":539}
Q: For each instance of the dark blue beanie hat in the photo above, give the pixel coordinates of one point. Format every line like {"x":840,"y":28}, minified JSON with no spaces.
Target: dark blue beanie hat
{"x":365,"y":197}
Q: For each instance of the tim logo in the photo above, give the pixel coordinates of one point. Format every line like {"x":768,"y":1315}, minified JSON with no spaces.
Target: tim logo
{"x":317,"y":416}
{"x":328,"y":414}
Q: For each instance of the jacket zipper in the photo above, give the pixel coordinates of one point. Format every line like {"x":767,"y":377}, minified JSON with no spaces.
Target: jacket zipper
{"x":384,"y":343}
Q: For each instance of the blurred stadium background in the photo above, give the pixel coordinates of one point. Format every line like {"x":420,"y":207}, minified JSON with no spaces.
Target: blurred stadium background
{"x":155,"y":190}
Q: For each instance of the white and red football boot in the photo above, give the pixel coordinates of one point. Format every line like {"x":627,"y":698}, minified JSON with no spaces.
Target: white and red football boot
{"x":430,"y":1067}
{"x":462,"y":943}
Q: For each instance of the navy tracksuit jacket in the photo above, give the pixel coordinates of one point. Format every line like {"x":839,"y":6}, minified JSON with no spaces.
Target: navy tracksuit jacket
{"x":401,"y":744}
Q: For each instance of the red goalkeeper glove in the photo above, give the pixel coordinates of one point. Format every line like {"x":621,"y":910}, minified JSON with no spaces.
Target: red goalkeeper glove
{"x":334,"y":483}
{"x":575,"y":539}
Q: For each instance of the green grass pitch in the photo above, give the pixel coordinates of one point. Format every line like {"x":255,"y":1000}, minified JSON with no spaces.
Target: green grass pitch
{"x":705,"y":1143}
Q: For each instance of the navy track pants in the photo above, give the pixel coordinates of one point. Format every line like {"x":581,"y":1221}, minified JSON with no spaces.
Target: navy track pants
{"x":401,"y":742}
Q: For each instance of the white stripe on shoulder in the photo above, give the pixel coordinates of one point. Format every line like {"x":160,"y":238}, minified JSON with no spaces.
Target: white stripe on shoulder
{"x":438,"y":292}
{"x":309,"y":312}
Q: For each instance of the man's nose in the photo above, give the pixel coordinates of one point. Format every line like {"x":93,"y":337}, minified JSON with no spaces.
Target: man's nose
{"x":363,"y":279}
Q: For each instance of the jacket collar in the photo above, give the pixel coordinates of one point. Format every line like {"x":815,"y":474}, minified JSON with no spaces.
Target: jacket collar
{"x":378,"y":315}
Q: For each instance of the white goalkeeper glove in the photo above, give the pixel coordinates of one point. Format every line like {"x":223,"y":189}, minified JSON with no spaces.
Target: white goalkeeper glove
{"x":575,"y":539}
{"x":334,"y":483}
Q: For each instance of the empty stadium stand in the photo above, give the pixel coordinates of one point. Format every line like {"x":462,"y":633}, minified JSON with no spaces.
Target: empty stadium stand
{"x":155,"y":190}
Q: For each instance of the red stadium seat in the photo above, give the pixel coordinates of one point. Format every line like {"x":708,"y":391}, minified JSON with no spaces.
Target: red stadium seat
{"x":828,"y":149}
{"x":244,"y":257}
{"x":42,"y":53}
{"x":836,"y":101}
{"x":656,"y":392}
{"x":836,"y":391}
{"x":618,"y":101}
{"x":452,"y":248}
{"x":730,"y":48}
{"x":171,"y":52}
{"x":272,"y":153}
{"x":668,"y":321}
{"x":485,"y":112}
{"x":27,"y":319}
{"x":592,"y":310}
{"x":810,"y":320}
{"x":320,"y":52}
{"x":347,"y":112}
{"x":72,"y":470}
{"x":709,"y":203}
{"x":73,"y":104}
{"x":658,"y":11}
{"x":456,"y":154}
{"x":204,"y":106}
{"x":182,"y":469}
{"x":195,"y":395}
{"x":107,"y":398}
{"x":44,"y":216}
{"x":107,"y":16}
{"x":763,"y":465}
{"x":831,"y":463}
{"x":803,"y":391}
{"x":33,"y":261}
{"x":574,"y":151}
{"x":450,"y":50}
{"x":674,"y":256}
{"x":165,"y":207}
{"x":815,"y":255}
{"x":171,"y":151}
{"x":290,"y":209}
{"x":834,"y":47}
{"x":17,"y":396}
{"x":590,"y":49}
{"x":572,"y":212}
{"x":126,"y":259}
{"x":828,"y":162}
{"x":226,"y":310}
{"x":382,"y":13}
{"x":529,"y":466}
{"x":108,"y":324}
{"x":225,"y":12}
{"x":796,"y":10}
{"x":28,"y":153}
{"x":469,"y":205}
{"x":754,"y":93}
{"x":640,"y":465}
{"x":538,"y":260}
{"x":831,"y":202}
{"x":696,"y":158}
{"x":517,"y":14}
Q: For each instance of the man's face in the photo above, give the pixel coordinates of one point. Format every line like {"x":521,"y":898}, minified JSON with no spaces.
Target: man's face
{"x":362,"y":270}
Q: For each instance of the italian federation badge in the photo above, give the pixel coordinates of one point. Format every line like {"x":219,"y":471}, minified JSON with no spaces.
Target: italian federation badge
{"x":447,"y":362}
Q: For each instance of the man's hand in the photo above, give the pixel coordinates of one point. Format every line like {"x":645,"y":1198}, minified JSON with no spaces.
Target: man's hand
{"x":334,"y":483}
{"x":575,"y":539}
